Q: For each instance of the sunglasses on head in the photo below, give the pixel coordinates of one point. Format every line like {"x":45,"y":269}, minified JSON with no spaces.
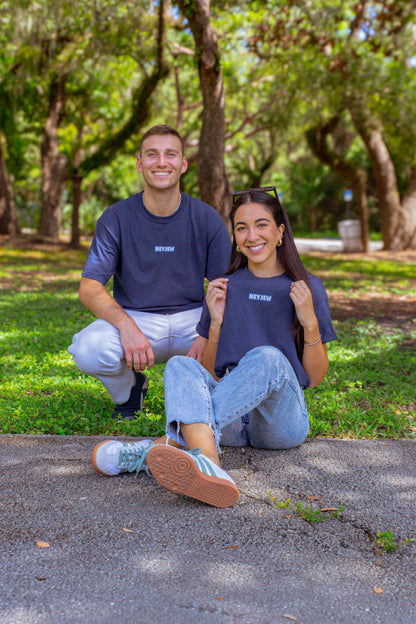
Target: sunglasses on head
{"x":265,"y":189}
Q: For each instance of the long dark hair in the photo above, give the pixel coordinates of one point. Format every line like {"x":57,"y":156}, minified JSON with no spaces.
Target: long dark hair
{"x":287,"y":254}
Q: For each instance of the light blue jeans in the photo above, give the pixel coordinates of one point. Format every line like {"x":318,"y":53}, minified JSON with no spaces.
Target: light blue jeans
{"x":259,"y":403}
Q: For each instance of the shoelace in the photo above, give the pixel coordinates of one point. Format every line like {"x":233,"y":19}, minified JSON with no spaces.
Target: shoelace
{"x":195,"y":451}
{"x":133,"y":459}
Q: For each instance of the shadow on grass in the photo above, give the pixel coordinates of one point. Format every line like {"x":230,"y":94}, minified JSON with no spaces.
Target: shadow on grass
{"x":369,"y":390}
{"x":369,"y":269}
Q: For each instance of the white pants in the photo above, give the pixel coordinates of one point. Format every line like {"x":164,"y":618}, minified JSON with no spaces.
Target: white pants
{"x":97,"y":349}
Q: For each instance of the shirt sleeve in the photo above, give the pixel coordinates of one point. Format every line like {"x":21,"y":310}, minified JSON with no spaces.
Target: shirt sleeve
{"x":322,"y":311}
{"x":219,"y":246}
{"x":204,"y":322}
{"x":103,"y":256}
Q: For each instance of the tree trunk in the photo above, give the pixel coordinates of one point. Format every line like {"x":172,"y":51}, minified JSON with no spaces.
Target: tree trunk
{"x":76,"y":182}
{"x":8,"y":218}
{"x":409,"y":213}
{"x":212,"y":176}
{"x":54,"y":164}
{"x":76,"y":203}
{"x":356,"y":177}
{"x":392,"y":220}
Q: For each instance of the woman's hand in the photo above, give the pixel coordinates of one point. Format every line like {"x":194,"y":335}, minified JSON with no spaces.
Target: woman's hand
{"x":315,"y":358}
{"x":303,"y":302}
{"x":216,"y":297}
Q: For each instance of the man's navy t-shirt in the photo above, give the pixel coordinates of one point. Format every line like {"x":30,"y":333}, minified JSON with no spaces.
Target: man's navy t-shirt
{"x":158,"y":264}
{"x":260,"y":312}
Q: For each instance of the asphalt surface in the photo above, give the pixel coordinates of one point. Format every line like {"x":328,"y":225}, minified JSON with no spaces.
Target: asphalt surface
{"x":77,"y":547}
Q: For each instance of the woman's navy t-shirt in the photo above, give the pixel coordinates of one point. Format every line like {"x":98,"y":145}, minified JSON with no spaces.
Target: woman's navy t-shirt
{"x":259,"y":312}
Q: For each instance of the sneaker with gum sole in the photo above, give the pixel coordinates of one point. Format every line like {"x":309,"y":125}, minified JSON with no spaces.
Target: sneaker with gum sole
{"x":192,"y":474}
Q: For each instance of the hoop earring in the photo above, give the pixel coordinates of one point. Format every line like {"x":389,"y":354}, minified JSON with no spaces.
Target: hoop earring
{"x":279,"y":244}
{"x":238,"y":248}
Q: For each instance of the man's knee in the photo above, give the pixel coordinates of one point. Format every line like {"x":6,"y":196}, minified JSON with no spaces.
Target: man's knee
{"x":95,"y":351}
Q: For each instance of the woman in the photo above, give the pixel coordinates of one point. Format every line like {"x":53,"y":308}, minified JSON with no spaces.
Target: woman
{"x":267,"y":321}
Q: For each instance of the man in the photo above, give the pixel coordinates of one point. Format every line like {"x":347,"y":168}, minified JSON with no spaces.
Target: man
{"x":158,"y":246}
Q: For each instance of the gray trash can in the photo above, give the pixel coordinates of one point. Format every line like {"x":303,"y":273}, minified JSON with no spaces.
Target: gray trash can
{"x":350,"y":233}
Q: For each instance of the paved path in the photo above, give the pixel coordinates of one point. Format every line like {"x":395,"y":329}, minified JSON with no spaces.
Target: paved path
{"x":126,"y":550}
{"x":335,"y":245}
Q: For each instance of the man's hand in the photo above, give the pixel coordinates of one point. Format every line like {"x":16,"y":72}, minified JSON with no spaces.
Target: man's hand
{"x":197,"y":349}
{"x":137,"y":348}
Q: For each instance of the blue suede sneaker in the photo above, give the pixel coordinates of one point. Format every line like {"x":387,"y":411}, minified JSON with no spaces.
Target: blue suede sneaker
{"x":192,"y":474}
{"x":112,"y":457}
{"x":129,"y":409}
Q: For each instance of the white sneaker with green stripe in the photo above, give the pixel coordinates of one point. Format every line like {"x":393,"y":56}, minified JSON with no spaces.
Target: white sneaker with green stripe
{"x":192,"y":474}
{"x":112,"y":457}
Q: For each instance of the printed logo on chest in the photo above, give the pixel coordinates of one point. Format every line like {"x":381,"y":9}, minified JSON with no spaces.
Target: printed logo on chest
{"x":165,"y":249}
{"x":256,"y":297}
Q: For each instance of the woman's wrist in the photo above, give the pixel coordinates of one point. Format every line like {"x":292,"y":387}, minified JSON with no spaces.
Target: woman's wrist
{"x":314,"y":342}
{"x":311,"y":332}
{"x":214,"y":333}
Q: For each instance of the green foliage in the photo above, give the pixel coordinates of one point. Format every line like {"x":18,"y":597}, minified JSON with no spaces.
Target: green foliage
{"x":286,"y":67}
{"x":386,"y":542}
{"x":280,"y":504}
{"x":308,"y":514}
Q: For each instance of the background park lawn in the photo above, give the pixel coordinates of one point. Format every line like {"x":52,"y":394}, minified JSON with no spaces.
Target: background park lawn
{"x":368,"y":392}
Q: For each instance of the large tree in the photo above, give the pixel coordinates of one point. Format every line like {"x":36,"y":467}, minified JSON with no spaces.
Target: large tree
{"x":347,"y":56}
{"x":212,"y":176}
{"x":113,"y":138}
{"x":8,"y":218}
{"x":84,"y":123}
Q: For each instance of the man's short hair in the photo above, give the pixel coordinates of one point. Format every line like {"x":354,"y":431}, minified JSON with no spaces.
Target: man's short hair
{"x":161,"y":130}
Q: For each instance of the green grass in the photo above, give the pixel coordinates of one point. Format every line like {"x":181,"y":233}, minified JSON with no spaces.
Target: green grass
{"x":358,"y":276}
{"x":386,"y":542}
{"x":368,"y":392}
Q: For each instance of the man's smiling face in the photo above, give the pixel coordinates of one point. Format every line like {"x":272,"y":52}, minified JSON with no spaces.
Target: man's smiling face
{"x":161,"y":162}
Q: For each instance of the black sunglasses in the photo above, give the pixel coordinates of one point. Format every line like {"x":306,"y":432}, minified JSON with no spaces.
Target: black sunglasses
{"x":265,"y":189}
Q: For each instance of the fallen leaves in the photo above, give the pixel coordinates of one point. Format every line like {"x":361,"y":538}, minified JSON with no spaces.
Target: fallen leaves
{"x":42,"y":544}
{"x":127,"y":530}
{"x":378,"y":590}
{"x":316,"y":498}
{"x":289,"y":617}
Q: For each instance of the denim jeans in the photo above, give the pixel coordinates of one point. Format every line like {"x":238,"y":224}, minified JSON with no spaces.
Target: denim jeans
{"x":97,"y":349}
{"x":259,"y":402}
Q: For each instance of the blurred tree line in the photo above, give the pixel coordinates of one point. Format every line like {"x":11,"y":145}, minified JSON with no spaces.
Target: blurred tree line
{"x":313,"y":96}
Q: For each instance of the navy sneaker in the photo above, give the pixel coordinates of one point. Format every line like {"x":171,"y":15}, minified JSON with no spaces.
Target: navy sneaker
{"x":129,"y":409}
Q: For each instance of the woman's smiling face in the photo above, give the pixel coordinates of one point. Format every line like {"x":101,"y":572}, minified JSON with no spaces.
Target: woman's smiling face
{"x":257,"y":235}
